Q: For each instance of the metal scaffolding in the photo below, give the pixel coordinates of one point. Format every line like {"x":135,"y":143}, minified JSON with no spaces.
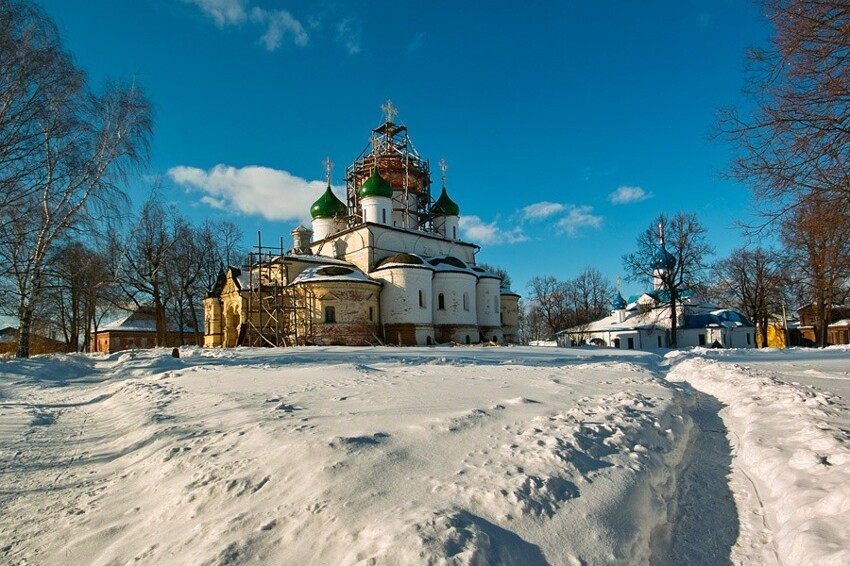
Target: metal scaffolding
{"x":393,"y":153}
{"x":277,"y":313}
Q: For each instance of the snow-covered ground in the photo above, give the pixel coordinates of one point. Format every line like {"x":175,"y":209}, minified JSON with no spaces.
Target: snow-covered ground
{"x":789,"y":424}
{"x":424,"y":455}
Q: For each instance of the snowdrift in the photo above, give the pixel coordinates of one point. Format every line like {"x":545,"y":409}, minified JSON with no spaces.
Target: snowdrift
{"x":342,"y":456}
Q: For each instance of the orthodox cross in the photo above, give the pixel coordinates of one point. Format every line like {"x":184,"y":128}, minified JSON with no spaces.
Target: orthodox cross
{"x":390,"y":111}
{"x":661,"y":233}
{"x":618,"y":284}
{"x":329,"y":165}
{"x":443,"y":168}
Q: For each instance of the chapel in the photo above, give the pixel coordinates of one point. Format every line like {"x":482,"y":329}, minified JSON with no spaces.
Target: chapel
{"x":388,"y":265}
{"x":644,"y":321}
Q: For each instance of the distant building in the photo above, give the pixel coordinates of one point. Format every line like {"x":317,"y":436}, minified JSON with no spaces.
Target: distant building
{"x":387,"y":266}
{"x":644,"y":321}
{"x":38,"y":344}
{"x":138,"y":330}
{"x":838,"y":331}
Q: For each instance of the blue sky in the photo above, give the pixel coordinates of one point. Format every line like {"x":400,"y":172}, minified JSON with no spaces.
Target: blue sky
{"x":567,"y":126}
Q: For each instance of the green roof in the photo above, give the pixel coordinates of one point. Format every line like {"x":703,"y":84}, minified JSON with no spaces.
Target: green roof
{"x":445,"y":206}
{"x":328,"y":206}
{"x":376,"y":186}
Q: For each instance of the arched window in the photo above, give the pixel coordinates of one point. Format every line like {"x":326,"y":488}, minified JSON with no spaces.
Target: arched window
{"x":454,"y":232}
{"x":441,"y":302}
{"x":421,"y":298}
{"x":371,"y":314}
{"x":383,"y":215}
{"x":468,"y":339}
{"x":466,"y":301}
{"x":330,"y":314}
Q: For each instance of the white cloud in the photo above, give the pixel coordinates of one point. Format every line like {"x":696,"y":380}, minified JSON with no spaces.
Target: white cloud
{"x":276,"y":24}
{"x":476,"y":230}
{"x":279,"y":24}
{"x":350,"y":34}
{"x":626,"y":194}
{"x":223,"y":12}
{"x":271,"y":193}
{"x":577,"y":218}
{"x":541,"y":210}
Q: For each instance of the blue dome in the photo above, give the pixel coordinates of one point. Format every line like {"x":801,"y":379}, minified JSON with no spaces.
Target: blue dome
{"x":663,"y":260}
{"x":618,"y":302}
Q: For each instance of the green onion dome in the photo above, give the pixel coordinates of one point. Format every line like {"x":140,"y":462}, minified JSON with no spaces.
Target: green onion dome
{"x":328,"y":206}
{"x":376,"y":186}
{"x":445,"y":206}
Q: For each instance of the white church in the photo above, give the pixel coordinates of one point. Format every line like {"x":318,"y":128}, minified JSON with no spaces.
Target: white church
{"x":644,"y":321}
{"x":388,"y":266}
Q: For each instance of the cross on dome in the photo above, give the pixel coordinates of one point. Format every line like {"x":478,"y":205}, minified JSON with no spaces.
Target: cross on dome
{"x":390,"y":111}
{"x":329,"y":165}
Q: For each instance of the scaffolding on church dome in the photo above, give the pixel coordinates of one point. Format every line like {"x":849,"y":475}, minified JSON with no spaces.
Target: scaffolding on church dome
{"x":391,"y":150}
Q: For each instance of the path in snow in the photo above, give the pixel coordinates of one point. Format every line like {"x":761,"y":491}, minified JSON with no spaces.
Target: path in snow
{"x":704,"y":520}
{"x":791,"y":459}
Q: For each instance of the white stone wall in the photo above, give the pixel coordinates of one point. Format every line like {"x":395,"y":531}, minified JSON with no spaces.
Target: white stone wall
{"x":390,"y":242}
{"x":400,"y":295}
{"x":377,"y":210}
{"x":488,"y":302}
{"x":322,"y":228}
{"x":454,"y":286}
{"x":447,"y":226}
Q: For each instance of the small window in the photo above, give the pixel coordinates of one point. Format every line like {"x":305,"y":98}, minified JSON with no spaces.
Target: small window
{"x":330,"y":314}
{"x":468,"y":339}
{"x":441,"y":302}
{"x":466,"y":301}
{"x":454,"y":232}
{"x":659,"y":341}
{"x":421,"y":299}
{"x":616,"y":342}
{"x":701,"y":339}
{"x":496,"y":304}
{"x":428,"y":340}
{"x":371,"y":314}
{"x":631,"y":343}
{"x":384,"y":216}
{"x":748,"y":338}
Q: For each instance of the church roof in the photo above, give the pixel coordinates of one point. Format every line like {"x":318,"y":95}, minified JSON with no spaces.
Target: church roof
{"x":375,"y":186}
{"x":328,"y":206}
{"x":445,"y":206}
{"x":140,"y":320}
{"x":331,"y":273}
{"x":618,"y":302}
{"x":663,"y":260}
{"x":403,"y":260}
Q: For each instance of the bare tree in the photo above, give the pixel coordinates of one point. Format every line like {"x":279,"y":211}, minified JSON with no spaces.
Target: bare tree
{"x":675,"y":251}
{"x":752,"y":281}
{"x":591,"y":294}
{"x":817,"y":237}
{"x":67,"y":153}
{"x":548,"y":295}
{"x":143,"y":273}
{"x":796,"y":141}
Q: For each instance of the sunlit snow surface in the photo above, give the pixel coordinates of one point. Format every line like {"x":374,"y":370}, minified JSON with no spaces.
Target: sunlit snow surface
{"x":413,"y":456}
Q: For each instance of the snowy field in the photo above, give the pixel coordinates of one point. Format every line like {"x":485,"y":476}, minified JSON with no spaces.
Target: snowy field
{"x":426,"y":456}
